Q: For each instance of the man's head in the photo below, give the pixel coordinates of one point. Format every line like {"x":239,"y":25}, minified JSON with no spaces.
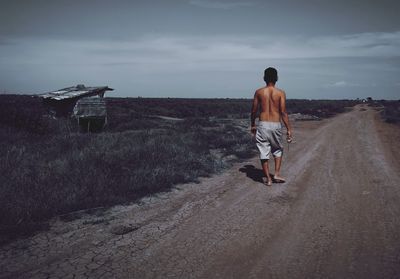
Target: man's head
{"x":270,"y":75}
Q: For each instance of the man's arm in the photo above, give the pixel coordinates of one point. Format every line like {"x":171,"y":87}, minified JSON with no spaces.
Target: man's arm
{"x":254,"y":110}
{"x":284,"y":114}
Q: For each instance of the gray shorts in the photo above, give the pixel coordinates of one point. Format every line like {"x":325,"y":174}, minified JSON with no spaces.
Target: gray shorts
{"x":269,"y":139}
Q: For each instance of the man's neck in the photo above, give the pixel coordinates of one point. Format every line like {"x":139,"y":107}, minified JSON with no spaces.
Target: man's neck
{"x":270,"y":84}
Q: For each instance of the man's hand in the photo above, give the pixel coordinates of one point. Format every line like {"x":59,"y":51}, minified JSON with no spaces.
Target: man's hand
{"x":289,"y":136}
{"x":253,"y":130}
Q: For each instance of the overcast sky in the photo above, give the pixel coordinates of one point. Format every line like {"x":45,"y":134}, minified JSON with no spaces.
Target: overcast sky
{"x":202,"y":48}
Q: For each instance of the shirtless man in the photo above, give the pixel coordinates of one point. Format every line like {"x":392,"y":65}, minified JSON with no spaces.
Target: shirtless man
{"x":268,"y":133}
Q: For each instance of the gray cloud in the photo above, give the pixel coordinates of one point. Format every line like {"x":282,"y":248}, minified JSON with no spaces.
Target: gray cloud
{"x":157,"y":53}
{"x":5,"y":41}
{"x":223,"y":66}
{"x":226,"y":5}
{"x":189,"y":48}
{"x":124,"y":19}
{"x":342,"y":84}
{"x":218,"y":48}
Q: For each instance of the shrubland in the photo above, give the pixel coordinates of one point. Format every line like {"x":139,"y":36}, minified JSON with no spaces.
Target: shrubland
{"x":50,"y":168}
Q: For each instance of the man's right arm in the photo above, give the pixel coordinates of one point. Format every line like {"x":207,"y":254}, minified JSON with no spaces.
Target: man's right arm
{"x":284,"y":115}
{"x":253,"y":116}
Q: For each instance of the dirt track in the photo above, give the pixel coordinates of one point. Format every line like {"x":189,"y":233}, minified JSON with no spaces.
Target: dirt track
{"x":337,"y":216}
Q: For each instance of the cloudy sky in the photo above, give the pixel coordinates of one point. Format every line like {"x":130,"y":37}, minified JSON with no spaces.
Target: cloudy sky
{"x":202,"y":48}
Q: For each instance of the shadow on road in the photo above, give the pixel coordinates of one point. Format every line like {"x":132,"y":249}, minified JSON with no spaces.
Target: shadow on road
{"x":253,"y":173}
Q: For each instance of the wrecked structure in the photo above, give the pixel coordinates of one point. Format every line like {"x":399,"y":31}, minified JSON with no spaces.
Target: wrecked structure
{"x":86,"y":104}
{"x":91,"y":113}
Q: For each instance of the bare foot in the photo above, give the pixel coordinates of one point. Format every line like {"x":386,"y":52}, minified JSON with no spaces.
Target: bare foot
{"x":279,"y":179}
{"x":267,"y":181}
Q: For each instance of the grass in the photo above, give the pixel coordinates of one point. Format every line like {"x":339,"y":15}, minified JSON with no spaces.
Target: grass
{"x":320,"y":108}
{"x":51,"y":169}
{"x":391,"y":111}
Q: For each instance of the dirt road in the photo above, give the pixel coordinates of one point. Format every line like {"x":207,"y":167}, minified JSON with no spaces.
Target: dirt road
{"x":337,"y":216}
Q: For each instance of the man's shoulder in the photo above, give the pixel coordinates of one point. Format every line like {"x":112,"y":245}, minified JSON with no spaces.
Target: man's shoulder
{"x":280,"y":91}
{"x":260,"y":90}
{"x":277,"y":91}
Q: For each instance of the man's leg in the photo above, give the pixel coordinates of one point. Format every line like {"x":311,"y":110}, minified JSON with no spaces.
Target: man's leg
{"x":277,"y":175}
{"x":265,"y":167}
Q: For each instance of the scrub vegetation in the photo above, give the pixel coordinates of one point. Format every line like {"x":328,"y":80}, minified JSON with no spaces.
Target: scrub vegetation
{"x":391,"y":111}
{"x":149,"y":145}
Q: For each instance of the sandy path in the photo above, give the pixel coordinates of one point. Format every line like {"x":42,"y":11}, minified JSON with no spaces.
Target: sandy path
{"x":337,"y":216}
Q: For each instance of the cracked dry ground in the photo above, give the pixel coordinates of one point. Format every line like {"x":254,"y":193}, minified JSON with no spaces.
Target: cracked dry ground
{"x":337,"y":216}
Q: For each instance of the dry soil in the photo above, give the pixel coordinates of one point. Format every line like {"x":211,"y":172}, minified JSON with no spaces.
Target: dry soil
{"x":337,"y":216}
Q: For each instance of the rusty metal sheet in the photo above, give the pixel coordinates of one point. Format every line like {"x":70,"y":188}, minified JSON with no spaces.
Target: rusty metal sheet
{"x":90,"y":107}
{"x":75,"y":92}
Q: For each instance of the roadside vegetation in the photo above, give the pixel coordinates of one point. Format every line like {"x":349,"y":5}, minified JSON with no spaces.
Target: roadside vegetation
{"x":49,"y":168}
{"x":391,"y":110}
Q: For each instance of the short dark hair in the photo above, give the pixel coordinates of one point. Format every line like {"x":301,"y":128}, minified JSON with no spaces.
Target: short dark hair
{"x":270,"y":75}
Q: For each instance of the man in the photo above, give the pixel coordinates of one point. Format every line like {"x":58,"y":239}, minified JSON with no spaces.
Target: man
{"x":268,"y":134}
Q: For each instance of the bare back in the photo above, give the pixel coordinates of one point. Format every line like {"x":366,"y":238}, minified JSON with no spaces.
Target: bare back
{"x":270,"y":99}
{"x":272,"y":104}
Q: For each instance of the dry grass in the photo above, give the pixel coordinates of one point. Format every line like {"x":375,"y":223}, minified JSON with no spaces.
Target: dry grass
{"x":50,"y":169}
{"x":56,"y":170}
{"x":391,"y":111}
